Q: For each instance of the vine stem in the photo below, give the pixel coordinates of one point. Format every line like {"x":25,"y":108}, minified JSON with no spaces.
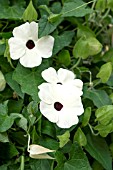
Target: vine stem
{"x":95,"y":134}
{"x":22,"y":163}
{"x":77,"y":63}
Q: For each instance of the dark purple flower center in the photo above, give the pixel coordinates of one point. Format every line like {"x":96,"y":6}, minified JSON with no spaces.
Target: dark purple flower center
{"x":58,"y":106}
{"x":59,"y":83}
{"x":30,"y":44}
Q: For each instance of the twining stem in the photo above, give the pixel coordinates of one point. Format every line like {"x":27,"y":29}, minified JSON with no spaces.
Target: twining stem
{"x":22,"y":163}
{"x":95,"y":134}
{"x":77,"y":63}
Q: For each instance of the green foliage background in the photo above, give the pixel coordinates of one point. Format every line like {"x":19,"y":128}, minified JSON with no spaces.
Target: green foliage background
{"x":83,"y":32}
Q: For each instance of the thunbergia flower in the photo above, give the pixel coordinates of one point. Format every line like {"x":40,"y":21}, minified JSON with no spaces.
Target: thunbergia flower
{"x":2,"y":82}
{"x":39,"y":152}
{"x":60,"y":104}
{"x":26,"y":46}
{"x":62,"y":76}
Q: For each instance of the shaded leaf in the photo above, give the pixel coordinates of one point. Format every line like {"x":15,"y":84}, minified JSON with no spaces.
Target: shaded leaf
{"x":29,"y":79}
{"x":62,"y":41}
{"x":77,"y":160}
{"x":97,"y":97}
{"x":40,"y":165}
{"x":20,"y":120}
{"x":7,"y":151}
{"x":11,"y":12}
{"x":64,"y":57}
{"x":46,"y":27}
{"x":95,"y":147}
{"x":76,"y":8}
{"x":13,"y":84}
{"x":4,"y":137}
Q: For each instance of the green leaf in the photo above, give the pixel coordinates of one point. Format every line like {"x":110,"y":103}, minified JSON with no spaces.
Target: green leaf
{"x":46,"y":27}
{"x":97,"y":166}
{"x":86,"y":47}
{"x":105,"y":72}
{"x":110,"y":4}
{"x":4,"y":137}
{"x":15,"y":106}
{"x":13,"y":84}
{"x":98,"y":149}
{"x":56,"y":7}
{"x":80,"y":137}
{"x":7,"y":151}
{"x":48,"y":142}
{"x":19,"y":137}
{"x":5,"y":121}
{"x":62,"y":41}
{"x":64,"y":57}
{"x":20,"y":120}
{"x":86,"y":116}
{"x":2,"y":47}
{"x":30,"y":14}
{"x":48,"y":128}
{"x":29,"y":79}
{"x":76,"y":8}
{"x":104,"y":130}
{"x":101,"y":5}
{"x":84,"y":31}
{"x":77,"y":160}
{"x":60,"y":158}
{"x":63,"y":139}
{"x":40,"y":165}
{"x":107,"y":57}
{"x":11,"y":12}
{"x":104,"y":114}
{"x":99,"y":97}
{"x":3,"y":167}
{"x":32,"y":107}
{"x":54,"y":17}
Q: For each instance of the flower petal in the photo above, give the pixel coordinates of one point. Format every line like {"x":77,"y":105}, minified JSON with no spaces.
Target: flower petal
{"x":78,"y":83}
{"x":45,"y":46}
{"x":39,"y":152}
{"x":31,"y":58}
{"x":16,"y":47}
{"x":45,"y":94}
{"x":79,"y":110}
{"x":67,"y":118}
{"x":22,"y":31}
{"x":65,"y":75}
{"x":34,"y":30}
{"x":37,"y":149}
{"x":50,"y":75}
{"x":49,"y":112}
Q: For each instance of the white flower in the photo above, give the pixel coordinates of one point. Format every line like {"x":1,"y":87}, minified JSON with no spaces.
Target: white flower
{"x":62,"y":76}
{"x":39,"y":152}
{"x":60,"y":104}
{"x":2,"y":82}
{"x":26,"y":46}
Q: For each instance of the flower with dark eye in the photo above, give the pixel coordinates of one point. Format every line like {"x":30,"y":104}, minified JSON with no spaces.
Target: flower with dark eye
{"x":60,"y":104}
{"x":27,"y":47}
